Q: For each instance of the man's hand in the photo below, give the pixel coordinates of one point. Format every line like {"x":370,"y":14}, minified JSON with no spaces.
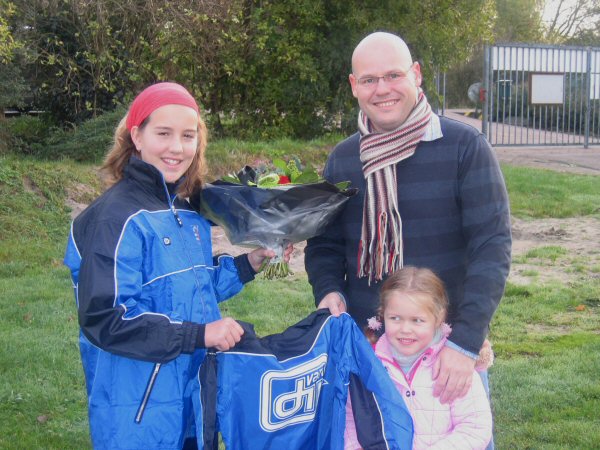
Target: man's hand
{"x":453,"y":374}
{"x":334,"y":303}
{"x":222,"y":334}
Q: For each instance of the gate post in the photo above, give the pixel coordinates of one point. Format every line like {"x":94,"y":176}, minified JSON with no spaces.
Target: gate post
{"x":486,"y":88}
{"x":588,"y":102}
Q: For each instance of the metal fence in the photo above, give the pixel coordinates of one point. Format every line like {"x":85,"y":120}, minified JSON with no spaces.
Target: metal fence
{"x":541,"y":95}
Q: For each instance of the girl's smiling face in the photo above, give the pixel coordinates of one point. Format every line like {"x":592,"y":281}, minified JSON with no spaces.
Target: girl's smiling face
{"x":168,"y":140}
{"x":409,"y":325}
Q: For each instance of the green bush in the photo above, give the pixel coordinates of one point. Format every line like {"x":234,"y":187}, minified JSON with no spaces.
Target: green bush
{"x":27,"y":135}
{"x":4,"y":136}
{"x":87,"y":142}
{"x":38,"y":137}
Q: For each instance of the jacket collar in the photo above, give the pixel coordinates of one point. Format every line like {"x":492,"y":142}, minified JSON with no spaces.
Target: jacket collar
{"x":383,"y":347}
{"x":150,"y":178}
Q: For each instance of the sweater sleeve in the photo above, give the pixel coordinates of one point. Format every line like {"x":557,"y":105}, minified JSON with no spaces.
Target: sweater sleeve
{"x":486,"y":228}
{"x":325,"y":264}
{"x":324,"y":255}
{"x":472,"y":422}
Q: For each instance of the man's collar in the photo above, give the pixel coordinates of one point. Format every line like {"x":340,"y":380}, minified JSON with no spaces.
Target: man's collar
{"x":433,"y":130}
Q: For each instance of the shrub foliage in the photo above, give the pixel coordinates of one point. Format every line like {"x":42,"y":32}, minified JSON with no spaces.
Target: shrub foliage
{"x":261,"y":69}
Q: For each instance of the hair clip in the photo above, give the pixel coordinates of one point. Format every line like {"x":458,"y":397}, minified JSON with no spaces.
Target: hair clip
{"x":374,"y":324}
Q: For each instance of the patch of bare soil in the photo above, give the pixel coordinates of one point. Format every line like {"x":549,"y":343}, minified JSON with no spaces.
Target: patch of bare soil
{"x":579,"y":237}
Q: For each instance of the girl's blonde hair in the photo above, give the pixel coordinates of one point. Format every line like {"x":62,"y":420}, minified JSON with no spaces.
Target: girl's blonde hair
{"x":427,"y":287}
{"x":123,"y":148}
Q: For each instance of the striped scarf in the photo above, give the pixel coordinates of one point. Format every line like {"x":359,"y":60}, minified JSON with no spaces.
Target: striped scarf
{"x":380,"y":248}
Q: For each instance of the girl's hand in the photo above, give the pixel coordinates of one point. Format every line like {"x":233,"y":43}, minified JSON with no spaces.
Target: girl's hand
{"x":222,"y":334}
{"x":257,"y":257}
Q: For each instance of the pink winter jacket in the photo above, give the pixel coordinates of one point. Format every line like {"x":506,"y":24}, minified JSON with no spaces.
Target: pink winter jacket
{"x":464,"y":424}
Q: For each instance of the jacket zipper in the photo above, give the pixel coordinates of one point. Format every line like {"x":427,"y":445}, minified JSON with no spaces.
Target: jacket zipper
{"x":171,"y":203}
{"x":149,"y":386}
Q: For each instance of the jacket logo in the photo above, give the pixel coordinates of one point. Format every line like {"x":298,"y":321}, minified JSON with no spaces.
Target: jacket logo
{"x":291,"y":396}
{"x":196,"y":231}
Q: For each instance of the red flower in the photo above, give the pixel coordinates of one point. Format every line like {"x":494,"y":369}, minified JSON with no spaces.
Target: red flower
{"x":284,"y":179}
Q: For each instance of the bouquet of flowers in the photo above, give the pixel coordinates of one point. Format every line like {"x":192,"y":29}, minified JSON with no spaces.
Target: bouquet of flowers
{"x":272,"y":208}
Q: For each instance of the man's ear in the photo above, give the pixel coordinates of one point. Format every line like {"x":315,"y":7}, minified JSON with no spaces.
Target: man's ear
{"x":353,"y":84}
{"x":417,"y":71}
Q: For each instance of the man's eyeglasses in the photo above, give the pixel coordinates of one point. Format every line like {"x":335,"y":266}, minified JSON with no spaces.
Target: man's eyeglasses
{"x":388,"y":78}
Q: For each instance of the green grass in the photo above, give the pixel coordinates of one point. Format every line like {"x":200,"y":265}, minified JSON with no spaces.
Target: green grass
{"x":544,"y":382}
{"x":549,"y":253}
{"x":530,"y":273}
{"x":536,"y":193}
{"x":550,"y":401}
{"x":230,"y":155}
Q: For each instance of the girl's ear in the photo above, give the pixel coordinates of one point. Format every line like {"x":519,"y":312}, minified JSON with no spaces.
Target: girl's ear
{"x":136,"y":138}
{"x":439,"y":322}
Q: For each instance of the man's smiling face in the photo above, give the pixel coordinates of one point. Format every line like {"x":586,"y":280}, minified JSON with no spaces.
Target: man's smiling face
{"x":386,"y":104}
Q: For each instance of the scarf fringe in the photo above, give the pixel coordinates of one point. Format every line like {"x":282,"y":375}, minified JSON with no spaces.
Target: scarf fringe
{"x":384,"y":254}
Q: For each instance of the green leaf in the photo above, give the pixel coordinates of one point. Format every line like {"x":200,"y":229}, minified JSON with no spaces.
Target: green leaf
{"x":281,"y":165}
{"x":269,"y":180}
{"x":342,"y":185}
{"x":231,"y":179}
{"x":307,"y":177}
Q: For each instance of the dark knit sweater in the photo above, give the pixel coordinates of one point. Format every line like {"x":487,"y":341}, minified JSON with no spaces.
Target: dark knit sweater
{"x":455,"y":221}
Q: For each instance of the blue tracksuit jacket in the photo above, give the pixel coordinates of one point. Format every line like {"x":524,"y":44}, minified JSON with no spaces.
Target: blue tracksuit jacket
{"x":289,"y":390}
{"x":145,"y":280}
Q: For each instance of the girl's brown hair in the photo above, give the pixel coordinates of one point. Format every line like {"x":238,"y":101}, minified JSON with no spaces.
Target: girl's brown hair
{"x":427,"y":286}
{"x":123,"y":148}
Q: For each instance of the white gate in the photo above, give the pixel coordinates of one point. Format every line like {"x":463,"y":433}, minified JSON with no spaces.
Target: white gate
{"x":541,"y":95}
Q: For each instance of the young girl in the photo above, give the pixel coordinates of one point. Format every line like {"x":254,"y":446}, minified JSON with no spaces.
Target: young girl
{"x":413,"y":305}
{"x":145,"y":280}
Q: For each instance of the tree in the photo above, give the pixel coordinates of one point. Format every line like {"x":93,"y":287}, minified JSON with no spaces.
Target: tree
{"x":12,"y":87}
{"x":518,"y":21}
{"x":258,"y":67}
{"x":570,"y":18}
{"x":514,"y":21}
{"x":82,"y":57}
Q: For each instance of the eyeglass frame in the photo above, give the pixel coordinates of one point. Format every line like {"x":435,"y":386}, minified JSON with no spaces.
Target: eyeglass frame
{"x":401,"y":75}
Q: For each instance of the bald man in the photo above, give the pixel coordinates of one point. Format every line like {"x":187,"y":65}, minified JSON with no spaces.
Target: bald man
{"x":431,"y":194}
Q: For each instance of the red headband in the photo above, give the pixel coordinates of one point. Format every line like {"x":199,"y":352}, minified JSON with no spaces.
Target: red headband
{"x":155,"y":96}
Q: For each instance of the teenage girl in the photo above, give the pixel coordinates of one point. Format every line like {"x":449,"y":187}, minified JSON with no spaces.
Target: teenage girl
{"x":413,"y":306}
{"x":146,"y":282}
